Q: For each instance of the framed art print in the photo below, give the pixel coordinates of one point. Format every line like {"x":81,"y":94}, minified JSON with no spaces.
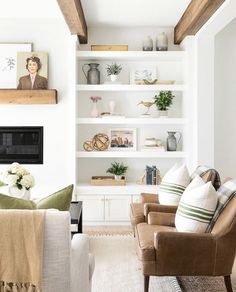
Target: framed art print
{"x":123,"y":139}
{"x":8,"y":62}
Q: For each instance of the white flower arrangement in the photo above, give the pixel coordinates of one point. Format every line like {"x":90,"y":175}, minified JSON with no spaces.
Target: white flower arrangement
{"x":17,"y":176}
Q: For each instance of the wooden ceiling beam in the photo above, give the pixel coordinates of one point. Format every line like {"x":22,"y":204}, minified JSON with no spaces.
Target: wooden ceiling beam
{"x":74,"y":16}
{"x":195,"y":16}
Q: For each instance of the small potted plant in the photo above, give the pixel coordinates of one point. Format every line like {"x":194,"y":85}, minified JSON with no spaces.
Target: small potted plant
{"x":113,"y":71}
{"x":118,"y":169}
{"x":163,"y":101}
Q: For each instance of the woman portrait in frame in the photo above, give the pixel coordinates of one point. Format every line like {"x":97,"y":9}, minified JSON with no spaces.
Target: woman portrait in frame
{"x":33,"y":80}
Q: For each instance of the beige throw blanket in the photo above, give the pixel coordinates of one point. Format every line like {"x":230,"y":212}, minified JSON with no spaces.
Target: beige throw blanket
{"x":21,"y":250}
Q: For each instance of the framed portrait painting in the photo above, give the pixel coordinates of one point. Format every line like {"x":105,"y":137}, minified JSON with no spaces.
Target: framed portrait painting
{"x":123,"y":139}
{"x":8,"y":62}
{"x":32,"y":70}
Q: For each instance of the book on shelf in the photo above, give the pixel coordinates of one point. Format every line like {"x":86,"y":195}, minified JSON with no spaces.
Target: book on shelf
{"x":153,"y":148}
{"x":152,"y":175}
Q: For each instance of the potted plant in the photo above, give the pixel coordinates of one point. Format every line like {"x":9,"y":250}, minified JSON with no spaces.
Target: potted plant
{"x":163,"y":101}
{"x":118,"y":169}
{"x":113,"y":71}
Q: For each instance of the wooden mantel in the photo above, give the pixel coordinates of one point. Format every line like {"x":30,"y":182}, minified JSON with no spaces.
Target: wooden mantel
{"x":195,"y":16}
{"x":14,"y":96}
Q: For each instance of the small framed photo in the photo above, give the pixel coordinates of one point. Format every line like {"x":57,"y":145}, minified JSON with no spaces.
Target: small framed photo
{"x":137,"y":75}
{"x":123,"y":139}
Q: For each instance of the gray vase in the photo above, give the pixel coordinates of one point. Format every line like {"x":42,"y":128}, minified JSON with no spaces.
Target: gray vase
{"x":172,"y":142}
{"x":93,"y":74}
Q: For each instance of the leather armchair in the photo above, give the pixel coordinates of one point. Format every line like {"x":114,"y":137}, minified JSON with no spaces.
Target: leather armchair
{"x":149,"y":202}
{"x":164,"y":251}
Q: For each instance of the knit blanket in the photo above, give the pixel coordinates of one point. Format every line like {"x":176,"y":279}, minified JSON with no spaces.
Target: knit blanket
{"x":21,"y":250}
{"x":203,"y":170}
{"x":225,"y":194}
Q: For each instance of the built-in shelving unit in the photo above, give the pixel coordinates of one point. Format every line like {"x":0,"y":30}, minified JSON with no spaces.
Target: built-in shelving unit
{"x":110,"y":204}
{"x":14,"y":96}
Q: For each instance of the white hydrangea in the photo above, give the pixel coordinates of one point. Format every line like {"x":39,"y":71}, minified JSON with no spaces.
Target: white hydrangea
{"x":27,"y":181}
{"x":16,"y":175}
{"x":12,"y":179}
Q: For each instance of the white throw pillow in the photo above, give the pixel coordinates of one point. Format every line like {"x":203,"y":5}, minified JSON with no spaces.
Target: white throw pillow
{"x":196,"y":209}
{"x":173,"y":185}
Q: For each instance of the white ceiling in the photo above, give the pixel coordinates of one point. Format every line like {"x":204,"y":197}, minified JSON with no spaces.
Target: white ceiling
{"x":29,"y":9}
{"x":114,"y":13}
{"x":130,"y":13}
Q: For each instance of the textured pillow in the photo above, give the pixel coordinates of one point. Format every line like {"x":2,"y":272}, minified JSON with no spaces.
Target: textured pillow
{"x":59,"y":200}
{"x":196,"y":209}
{"x":173,"y":185}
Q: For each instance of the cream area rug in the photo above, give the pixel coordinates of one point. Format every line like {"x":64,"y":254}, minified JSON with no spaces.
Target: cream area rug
{"x":117,"y":268}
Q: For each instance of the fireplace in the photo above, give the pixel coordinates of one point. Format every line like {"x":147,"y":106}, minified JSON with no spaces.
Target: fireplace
{"x":21,"y":144}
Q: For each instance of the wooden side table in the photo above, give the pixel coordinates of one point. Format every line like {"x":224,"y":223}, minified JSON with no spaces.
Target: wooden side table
{"x":76,"y":208}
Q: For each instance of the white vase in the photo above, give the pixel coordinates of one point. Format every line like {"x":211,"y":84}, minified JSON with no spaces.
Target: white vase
{"x":112,"y":105}
{"x":113,"y":78}
{"x":94,"y":113}
{"x":118,"y":177}
{"x":162,"y":42}
{"x":147,"y":44}
{"x":163,"y":114}
{"x":21,"y":194}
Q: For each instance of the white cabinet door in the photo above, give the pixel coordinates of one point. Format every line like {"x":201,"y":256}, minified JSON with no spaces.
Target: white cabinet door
{"x":93,"y":208}
{"x":117,"y":208}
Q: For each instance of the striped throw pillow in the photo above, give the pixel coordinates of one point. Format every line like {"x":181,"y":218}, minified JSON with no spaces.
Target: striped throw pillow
{"x":173,"y":185}
{"x":196,"y":208}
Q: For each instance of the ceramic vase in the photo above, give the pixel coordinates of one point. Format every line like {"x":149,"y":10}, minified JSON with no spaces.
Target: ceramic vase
{"x":112,"y":105}
{"x":162,"y":42}
{"x":21,"y":194}
{"x":94,"y":112}
{"x":172,"y":142}
{"x":147,"y":44}
{"x":163,"y":114}
{"x":113,"y":78}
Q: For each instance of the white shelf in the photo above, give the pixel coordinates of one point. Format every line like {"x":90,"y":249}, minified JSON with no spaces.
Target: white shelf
{"x":131,"y":55}
{"x":129,"y":189}
{"x":129,"y":87}
{"x":131,"y":154}
{"x":130,"y":121}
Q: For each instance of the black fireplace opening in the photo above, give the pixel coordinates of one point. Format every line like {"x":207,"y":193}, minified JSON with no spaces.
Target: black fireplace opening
{"x":21,"y":144}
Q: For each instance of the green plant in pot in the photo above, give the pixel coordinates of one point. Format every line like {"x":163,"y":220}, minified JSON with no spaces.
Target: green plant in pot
{"x":117,"y":169}
{"x":113,"y":70}
{"x":163,"y":101}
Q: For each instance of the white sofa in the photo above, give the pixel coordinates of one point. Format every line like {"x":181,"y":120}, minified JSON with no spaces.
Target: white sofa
{"x":67,"y":264}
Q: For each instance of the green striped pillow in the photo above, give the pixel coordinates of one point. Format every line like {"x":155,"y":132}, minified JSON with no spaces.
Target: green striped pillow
{"x":173,"y":185}
{"x":196,"y":208}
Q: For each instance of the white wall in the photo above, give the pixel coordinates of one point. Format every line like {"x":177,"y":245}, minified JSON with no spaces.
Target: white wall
{"x":225,"y":101}
{"x":52,"y":36}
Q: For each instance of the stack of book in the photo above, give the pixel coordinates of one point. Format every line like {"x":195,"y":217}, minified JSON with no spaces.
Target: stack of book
{"x":153,"y":176}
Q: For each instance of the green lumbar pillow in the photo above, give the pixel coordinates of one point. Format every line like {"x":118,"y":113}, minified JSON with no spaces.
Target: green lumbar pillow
{"x":59,"y":200}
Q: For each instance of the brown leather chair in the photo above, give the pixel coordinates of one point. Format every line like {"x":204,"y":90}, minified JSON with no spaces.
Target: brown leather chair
{"x":164,"y":251}
{"x":150,"y":202}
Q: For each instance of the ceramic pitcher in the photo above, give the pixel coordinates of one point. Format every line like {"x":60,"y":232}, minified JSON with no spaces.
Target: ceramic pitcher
{"x":172,"y":142}
{"x":93,"y":74}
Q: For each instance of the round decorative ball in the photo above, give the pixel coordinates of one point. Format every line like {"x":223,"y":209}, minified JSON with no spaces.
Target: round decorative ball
{"x":88,"y":146}
{"x":100,"y":142}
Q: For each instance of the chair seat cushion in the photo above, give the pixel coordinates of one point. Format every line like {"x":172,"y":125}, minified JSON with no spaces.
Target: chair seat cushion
{"x":145,"y":240}
{"x":137,"y":213}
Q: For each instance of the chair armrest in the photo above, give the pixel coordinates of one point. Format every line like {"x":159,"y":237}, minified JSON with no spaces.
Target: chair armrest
{"x":185,"y":253}
{"x":149,"y":198}
{"x":160,"y":218}
{"x":80,"y":263}
{"x":151,"y":207}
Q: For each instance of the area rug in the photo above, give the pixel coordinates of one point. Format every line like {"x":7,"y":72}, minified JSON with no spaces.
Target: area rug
{"x":117,"y":268}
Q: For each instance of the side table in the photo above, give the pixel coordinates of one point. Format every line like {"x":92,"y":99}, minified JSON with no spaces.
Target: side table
{"x":76,"y":208}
